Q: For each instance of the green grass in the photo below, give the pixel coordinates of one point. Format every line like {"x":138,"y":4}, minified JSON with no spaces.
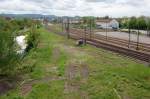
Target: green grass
{"x":49,"y":90}
{"x":111,"y":75}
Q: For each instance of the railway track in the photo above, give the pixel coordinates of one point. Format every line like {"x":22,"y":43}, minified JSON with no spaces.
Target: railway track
{"x":116,"y":45}
{"x":121,"y":42}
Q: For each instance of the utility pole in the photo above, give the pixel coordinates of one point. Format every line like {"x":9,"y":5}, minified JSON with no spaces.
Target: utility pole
{"x":68,"y":28}
{"x":62,"y":24}
{"x":85,"y":31}
{"x":65,"y":26}
{"x":148,"y":31}
{"x":129,"y":34}
{"x":138,"y":36}
{"x":90,"y":28}
{"x":106,"y":30}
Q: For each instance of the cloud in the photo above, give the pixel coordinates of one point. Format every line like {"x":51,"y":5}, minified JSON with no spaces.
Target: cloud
{"x":114,"y":8}
{"x":106,"y":1}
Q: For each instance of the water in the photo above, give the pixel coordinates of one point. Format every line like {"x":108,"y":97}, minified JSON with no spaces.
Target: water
{"x":21,"y":41}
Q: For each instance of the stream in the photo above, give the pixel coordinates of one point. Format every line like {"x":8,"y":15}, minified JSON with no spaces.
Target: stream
{"x":21,"y":41}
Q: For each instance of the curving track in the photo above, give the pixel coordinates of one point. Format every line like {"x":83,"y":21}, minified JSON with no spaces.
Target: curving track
{"x":125,"y":43}
{"x":112,"y":44}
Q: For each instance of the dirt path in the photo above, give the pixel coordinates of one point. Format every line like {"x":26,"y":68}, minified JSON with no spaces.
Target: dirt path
{"x":8,"y":83}
{"x":84,"y":70}
{"x":70,"y":75}
{"x":72,"y":83}
{"x":5,"y":86}
{"x":27,"y":86}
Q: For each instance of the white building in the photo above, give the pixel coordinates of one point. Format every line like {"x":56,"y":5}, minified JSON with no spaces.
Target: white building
{"x":107,"y":23}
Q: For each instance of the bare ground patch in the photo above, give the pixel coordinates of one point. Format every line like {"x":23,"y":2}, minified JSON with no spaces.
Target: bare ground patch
{"x":8,"y":83}
{"x":5,"y":86}
{"x":72,"y":83}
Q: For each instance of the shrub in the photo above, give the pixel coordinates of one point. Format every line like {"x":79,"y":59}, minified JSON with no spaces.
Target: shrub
{"x":8,"y":56}
{"x":32,"y":39}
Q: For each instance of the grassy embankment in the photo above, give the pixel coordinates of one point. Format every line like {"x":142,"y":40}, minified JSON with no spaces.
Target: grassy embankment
{"x":110,"y":76}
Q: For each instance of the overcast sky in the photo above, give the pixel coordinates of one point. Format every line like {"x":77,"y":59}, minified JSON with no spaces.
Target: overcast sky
{"x":113,"y":8}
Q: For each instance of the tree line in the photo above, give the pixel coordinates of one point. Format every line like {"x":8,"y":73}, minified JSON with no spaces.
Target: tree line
{"x":141,"y":23}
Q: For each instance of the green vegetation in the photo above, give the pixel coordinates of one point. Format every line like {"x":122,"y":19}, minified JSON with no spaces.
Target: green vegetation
{"x":8,"y":56}
{"x":7,"y":53}
{"x":89,"y":21}
{"x":32,"y":39}
{"x":141,"y":23}
{"x":10,"y":61}
{"x":111,"y":76}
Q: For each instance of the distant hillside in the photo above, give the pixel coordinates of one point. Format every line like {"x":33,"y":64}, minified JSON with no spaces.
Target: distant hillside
{"x":38,"y":16}
{"x":33,"y":16}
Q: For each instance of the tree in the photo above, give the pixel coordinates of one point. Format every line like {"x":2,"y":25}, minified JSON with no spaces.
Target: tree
{"x":141,"y":23}
{"x":148,"y":27}
{"x":133,"y":23}
{"x":106,"y":17}
{"x":8,"y":56}
{"x":124,"y":22}
{"x":9,"y":59}
{"x":89,"y":21}
{"x":32,"y":39}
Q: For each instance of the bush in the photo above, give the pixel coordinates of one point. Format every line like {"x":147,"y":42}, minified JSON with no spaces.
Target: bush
{"x":9,"y":59}
{"x":8,"y":56}
{"x":32,"y":39}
